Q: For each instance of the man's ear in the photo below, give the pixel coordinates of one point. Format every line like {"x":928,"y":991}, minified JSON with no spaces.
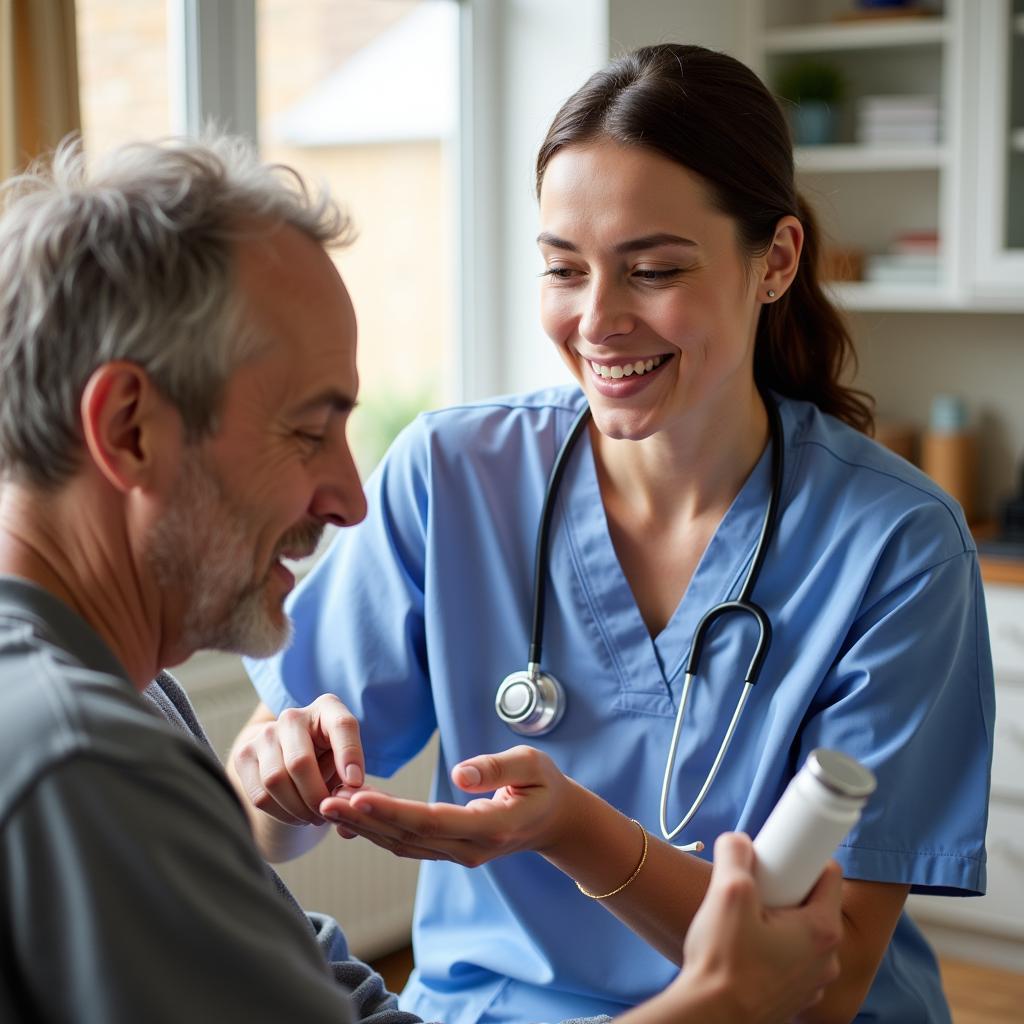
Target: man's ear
{"x":126,"y":424}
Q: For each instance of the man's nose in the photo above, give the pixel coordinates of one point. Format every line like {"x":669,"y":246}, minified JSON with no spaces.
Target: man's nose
{"x":339,"y":498}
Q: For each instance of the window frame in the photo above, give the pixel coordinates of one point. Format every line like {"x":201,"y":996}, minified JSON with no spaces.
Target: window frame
{"x":213,"y":49}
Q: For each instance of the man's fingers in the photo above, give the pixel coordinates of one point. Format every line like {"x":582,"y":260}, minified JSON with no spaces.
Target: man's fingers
{"x":340,"y":729}
{"x":247,"y":766}
{"x":275,"y":778}
{"x":328,"y":770}
{"x":299,"y":756}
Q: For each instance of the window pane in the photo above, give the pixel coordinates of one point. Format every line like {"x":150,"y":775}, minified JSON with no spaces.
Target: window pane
{"x":363,"y":96}
{"x":123,"y":71}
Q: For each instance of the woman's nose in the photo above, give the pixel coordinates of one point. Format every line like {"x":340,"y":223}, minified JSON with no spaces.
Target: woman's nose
{"x":606,"y":313}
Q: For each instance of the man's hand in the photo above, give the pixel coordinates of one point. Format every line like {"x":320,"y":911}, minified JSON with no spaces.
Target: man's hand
{"x":286,"y":767}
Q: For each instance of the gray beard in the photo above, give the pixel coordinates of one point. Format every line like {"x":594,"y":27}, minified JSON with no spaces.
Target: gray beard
{"x":199,"y":551}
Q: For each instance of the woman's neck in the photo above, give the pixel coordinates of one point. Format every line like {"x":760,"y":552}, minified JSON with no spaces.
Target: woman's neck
{"x":690,"y":470}
{"x":665,"y":496}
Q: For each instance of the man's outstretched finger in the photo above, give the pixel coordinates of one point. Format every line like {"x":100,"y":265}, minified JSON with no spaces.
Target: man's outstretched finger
{"x":341,"y":730}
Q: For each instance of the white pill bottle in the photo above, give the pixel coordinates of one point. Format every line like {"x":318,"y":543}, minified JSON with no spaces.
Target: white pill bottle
{"x":820,"y":805}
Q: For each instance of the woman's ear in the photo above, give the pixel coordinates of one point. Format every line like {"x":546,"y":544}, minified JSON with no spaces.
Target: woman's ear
{"x":782,"y":260}
{"x":126,"y":424}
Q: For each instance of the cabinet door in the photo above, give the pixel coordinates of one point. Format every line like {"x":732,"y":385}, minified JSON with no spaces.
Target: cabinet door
{"x":1000,"y":174}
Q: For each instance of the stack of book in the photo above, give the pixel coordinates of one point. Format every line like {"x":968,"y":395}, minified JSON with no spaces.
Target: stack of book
{"x":913,"y":258}
{"x":898,"y":120}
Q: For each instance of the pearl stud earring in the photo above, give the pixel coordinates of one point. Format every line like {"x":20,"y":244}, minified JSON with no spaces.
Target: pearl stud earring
{"x":771,"y":294}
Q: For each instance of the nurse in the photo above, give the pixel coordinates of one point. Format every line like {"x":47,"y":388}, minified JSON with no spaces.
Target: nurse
{"x":680,"y":287}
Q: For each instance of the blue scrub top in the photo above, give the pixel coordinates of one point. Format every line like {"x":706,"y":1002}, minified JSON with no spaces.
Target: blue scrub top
{"x":880,"y":649}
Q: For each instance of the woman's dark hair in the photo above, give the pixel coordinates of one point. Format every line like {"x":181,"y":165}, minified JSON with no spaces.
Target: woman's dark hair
{"x":714,"y":116}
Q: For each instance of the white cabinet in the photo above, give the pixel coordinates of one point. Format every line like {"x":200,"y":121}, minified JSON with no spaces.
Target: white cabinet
{"x":922,"y":179}
{"x":991,"y":928}
{"x":999,"y":176}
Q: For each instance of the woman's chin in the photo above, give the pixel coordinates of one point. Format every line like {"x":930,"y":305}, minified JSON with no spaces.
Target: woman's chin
{"x":623,"y":425}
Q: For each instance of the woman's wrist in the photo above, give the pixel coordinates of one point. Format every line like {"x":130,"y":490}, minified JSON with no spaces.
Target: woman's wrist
{"x":594,"y":844}
{"x":633,"y":875}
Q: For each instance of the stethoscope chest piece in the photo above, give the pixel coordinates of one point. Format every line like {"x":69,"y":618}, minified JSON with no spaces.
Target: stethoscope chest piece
{"x":530,"y":703}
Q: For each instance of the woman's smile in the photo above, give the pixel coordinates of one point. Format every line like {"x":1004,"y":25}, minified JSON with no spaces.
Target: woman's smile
{"x":623,"y":377}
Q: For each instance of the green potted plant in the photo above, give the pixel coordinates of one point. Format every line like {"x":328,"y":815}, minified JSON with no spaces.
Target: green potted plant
{"x":812,"y":90}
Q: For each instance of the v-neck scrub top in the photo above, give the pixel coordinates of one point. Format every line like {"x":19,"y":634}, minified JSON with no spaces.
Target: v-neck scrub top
{"x":880,"y":649}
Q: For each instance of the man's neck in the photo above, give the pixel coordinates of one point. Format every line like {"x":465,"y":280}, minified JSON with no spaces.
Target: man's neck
{"x":72,"y":543}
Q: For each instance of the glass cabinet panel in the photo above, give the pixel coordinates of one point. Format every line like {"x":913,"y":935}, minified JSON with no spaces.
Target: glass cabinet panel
{"x":999,"y":270}
{"x":1015,"y":131}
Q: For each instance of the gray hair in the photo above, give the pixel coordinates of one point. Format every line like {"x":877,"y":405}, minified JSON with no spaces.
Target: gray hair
{"x":133,"y":260}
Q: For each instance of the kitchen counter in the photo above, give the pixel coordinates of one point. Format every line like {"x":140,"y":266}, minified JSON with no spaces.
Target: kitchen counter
{"x":1002,"y":570}
{"x":997,"y":568}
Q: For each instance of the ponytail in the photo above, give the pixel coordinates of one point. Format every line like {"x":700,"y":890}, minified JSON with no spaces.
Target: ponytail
{"x":803,"y":349}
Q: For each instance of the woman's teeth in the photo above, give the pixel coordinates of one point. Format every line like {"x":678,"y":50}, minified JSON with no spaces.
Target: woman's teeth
{"x":640,"y":367}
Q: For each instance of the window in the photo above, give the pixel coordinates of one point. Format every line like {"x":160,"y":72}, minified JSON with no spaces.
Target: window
{"x":123,"y":70}
{"x":362,"y":95}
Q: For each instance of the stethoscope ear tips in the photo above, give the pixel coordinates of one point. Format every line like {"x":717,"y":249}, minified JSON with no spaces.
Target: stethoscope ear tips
{"x":530,"y":703}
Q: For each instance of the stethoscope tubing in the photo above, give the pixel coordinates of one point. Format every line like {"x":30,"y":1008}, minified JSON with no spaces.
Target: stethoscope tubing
{"x":540,"y":558}
{"x":742,"y":604}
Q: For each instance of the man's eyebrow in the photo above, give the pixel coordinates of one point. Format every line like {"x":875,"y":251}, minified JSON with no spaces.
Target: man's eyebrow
{"x":330,"y":399}
{"x":632,"y":245}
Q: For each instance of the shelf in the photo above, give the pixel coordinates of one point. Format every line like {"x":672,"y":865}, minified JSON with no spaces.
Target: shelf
{"x":870,"y":297}
{"x":864,"y":295}
{"x":859,"y":36}
{"x":869,"y":158}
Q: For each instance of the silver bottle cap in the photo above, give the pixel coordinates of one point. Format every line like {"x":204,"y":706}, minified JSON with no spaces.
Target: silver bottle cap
{"x":840,"y":774}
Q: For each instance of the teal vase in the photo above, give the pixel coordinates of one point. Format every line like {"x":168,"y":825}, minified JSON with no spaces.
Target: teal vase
{"x":813,"y":123}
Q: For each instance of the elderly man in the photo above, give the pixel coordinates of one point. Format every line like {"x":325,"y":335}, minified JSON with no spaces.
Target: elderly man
{"x":178,"y":359}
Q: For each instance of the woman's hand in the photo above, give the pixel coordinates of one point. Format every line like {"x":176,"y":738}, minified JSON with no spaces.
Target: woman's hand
{"x":530,"y":804}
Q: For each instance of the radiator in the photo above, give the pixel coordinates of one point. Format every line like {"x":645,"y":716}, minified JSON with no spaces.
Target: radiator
{"x":369,"y":891}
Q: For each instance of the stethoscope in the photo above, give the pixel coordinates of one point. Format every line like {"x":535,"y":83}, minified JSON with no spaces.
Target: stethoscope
{"x":532,"y":703}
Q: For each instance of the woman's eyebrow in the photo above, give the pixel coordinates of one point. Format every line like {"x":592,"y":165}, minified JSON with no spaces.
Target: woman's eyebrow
{"x":632,"y":245}
{"x":653,"y":242}
{"x":546,"y":238}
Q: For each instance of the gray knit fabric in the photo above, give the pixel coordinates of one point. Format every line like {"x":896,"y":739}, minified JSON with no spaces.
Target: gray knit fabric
{"x":372,"y":1002}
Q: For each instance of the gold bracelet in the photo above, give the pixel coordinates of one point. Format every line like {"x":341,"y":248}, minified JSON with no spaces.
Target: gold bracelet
{"x":636,"y":870}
